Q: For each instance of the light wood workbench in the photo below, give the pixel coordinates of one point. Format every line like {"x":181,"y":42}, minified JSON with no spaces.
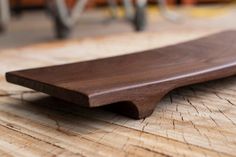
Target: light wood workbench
{"x":198,"y":120}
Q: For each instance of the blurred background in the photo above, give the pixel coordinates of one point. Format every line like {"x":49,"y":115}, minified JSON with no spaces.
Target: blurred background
{"x":26,"y":22}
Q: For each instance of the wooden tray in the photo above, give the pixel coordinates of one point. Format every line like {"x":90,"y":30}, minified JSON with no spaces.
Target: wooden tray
{"x":133,"y":84}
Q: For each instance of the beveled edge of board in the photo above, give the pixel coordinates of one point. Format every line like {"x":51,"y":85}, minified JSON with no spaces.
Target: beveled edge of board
{"x":66,"y":94}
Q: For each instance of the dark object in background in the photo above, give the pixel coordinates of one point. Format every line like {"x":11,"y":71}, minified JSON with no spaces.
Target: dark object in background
{"x":137,"y":81}
{"x":65,"y":13}
{"x":61,"y":29}
{"x":140,"y":18}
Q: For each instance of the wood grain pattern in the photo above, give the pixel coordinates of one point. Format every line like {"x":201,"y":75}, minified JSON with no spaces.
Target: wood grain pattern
{"x":197,"y":120}
{"x":134,"y":83}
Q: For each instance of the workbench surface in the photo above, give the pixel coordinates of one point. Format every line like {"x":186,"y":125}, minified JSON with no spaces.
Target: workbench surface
{"x":197,"y":120}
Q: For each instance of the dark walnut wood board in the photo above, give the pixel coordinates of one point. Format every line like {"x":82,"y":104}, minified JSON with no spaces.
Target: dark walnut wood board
{"x":133,"y":84}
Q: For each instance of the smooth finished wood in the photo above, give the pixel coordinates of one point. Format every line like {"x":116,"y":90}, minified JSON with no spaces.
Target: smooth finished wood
{"x":137,"y":81}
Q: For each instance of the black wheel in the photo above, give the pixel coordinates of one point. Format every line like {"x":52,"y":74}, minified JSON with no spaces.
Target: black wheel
{"x":61,"y":31}
{"x":140,"y":18}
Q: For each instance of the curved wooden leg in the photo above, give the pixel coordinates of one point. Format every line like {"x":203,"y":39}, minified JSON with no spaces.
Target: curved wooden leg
{"x":138,"y":108}
{"x":143,"y":108}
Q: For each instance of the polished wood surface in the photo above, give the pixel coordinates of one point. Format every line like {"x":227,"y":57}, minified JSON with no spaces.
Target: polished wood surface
{"x":135,"y":83}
